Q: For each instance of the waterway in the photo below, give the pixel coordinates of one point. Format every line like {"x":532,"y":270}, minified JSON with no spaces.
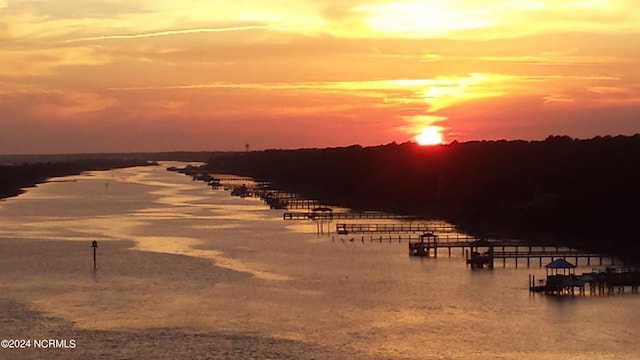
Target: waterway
{"x":184,"y":271}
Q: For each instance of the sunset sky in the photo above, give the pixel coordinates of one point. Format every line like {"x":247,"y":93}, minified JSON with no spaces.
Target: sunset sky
{"x":156,"y":75}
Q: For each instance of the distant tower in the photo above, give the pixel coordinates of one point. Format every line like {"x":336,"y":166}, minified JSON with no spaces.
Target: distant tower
{"x":246,"y":147}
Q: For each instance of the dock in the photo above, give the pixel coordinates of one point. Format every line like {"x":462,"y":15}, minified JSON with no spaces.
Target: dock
{"x":561,"y":279}
{"x":310,"y":215}
{"x":235,"y":180}
{"x":549,"y":253}
{"x":526,"y":253}
{"x":284,"y":200}
{"x":344,"y":229}
{"x":300,"y":203}
{"x":425,"y":238}
{"x":481,"y":252}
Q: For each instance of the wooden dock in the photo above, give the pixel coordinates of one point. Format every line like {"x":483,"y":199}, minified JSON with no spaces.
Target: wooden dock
{"x":600,"y":281}
{"x":235,"y":180}
{"x":310,"y":215}
{"x":424,"y":238}
{"x":445,"y":240}
{"x":479,"y":253}
{"x":300,"y":203}
{"x":548,"y":253}
{"x":527,"y":253}
{"x":276,"y":194}
{"x":344,"y":229}
{"x":284,"y":200}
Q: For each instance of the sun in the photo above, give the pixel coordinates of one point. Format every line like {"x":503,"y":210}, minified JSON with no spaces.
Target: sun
{"x":429,"y":136}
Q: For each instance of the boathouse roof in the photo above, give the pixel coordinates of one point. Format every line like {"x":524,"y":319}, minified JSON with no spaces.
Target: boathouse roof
{"x":559,"y":264}
{"x":482,"y":242}
{"x":429,"y":235}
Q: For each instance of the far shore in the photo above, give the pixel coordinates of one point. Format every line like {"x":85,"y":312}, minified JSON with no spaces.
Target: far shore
{"x":15,"y":179}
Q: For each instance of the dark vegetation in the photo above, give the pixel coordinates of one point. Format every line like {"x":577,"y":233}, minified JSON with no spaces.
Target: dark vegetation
{"x":195,"y":156}
{"x":564,"y":191}
{"x":14,"y":178}
{"x":21,"y":171}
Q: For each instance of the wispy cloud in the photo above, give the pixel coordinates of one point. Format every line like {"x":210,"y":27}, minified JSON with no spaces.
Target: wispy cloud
{"x":179,"y":32}
{"x":354,"y":85}
{"x":19,"y":63}
{"x":432,"y":94}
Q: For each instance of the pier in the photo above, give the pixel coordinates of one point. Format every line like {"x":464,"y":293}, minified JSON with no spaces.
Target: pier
{"x":425,"y":238}
{"x":561,"y":279}
{"x":284,"y":200}
{"x":480,"y":253}
{"x":300,"y":203}
{"x":309,"y":215}
{"x":235,"y":180}
{"x":344,"y":229}
{"x":527,"y":253}
{"x":548,"y":253}
{"x":276,"y":194}
{"x":428,"y":239}
{"x":423,"y":247}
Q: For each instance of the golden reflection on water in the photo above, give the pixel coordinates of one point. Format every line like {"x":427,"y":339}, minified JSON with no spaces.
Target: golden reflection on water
{"x":189,"y":247}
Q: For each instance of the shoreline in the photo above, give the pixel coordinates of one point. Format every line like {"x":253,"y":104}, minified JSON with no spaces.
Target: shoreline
{"x":560,"y":191}
{"x":16,"y":179}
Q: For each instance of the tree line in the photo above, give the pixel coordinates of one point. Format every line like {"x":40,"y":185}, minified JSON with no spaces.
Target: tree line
{"x":560,"y":191}
{"x":14,"y":178}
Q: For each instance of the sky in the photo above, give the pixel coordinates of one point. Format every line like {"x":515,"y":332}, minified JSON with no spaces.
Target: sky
{"x":163,"y":75}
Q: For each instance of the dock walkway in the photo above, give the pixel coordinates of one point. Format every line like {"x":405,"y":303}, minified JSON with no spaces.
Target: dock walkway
{"x":547,"y":253}
{"x":484,"y":252}
{"x":309,"y":215}
{"x":344,"y":229}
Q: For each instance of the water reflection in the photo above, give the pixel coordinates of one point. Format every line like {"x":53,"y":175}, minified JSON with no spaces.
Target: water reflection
{"x":175,"y":254}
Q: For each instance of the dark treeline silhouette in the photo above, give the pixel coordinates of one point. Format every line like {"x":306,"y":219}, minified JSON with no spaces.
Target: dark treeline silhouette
{"x":21,"y":171}
{"x":195,"y":156}
{"x":562,"y":191}
{"x":14,"y":178}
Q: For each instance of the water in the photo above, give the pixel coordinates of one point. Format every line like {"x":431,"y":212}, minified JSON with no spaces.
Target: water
{"x":188,"y":272}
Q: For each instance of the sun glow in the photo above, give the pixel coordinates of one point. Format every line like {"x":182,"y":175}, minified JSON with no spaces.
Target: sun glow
{"x":429,"y":136}
{"x":424,"y":17}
